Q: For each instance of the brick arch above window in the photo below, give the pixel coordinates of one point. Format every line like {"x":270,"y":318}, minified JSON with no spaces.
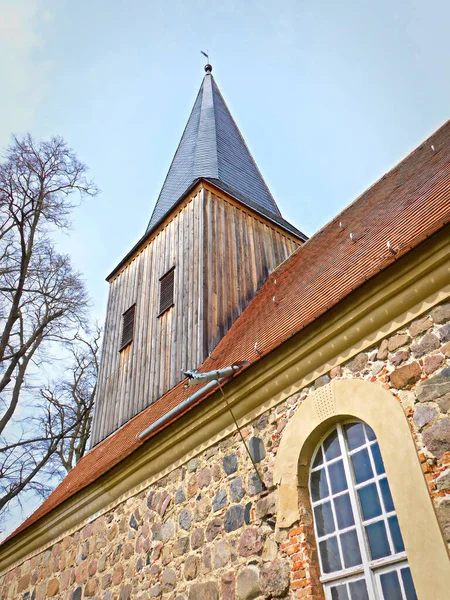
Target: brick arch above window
{"x":369,"y":402}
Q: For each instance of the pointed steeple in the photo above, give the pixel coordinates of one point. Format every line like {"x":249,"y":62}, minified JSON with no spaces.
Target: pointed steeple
{"x":213,"y":148}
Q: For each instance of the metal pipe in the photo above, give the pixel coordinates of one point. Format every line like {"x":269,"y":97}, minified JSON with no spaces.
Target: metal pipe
{"x":195,"y":378}
{"x":186,"y":403}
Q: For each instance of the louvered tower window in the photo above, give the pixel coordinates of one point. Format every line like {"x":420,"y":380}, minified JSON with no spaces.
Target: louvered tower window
{"x":127,"y":327}
{"x":166,"y":285}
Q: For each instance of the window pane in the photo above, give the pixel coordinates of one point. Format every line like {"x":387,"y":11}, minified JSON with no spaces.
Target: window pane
{"x":370,"y":433}
{"x":329,"y":552}
{"x":386,"y":493}
{"x":379,"y":466}
{"x":391,"y":586}
{"x":331,"y":446}
{"x":358,"y":590}
{"x":408,"y":584}
{"x":319,"y":486}
{"x":355,"y":435}
{"x":350,"y":549}
{"x":370,"y":501}
{"x":324,"y":519}
{"x":344,"y":513}
{"x":378,"y":541}
{"x":338,"y":481}
{"x":361,"y":465}
{"x":396,"y":535}
{"x":319,"y":459}
{"x":339,"y":592}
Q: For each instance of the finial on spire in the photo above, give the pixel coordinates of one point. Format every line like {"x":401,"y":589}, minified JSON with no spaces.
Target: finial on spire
{"x":208,"y":67}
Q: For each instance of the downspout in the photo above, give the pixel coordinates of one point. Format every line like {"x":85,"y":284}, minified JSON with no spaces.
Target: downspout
{"x":213,"y":377}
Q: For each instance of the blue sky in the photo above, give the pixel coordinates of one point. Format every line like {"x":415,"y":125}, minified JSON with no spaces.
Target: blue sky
{"x":328,"y":95}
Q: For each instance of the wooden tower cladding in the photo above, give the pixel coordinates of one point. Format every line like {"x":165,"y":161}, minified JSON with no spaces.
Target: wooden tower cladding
{"x":202,"y":266}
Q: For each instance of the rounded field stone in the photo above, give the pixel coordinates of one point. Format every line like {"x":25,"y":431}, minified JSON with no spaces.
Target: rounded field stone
{"x":190,"y":567}
{"x":256,"y":449}
{"x":432,"y":363}
{"x":423,"y":415}
{"x":274,"y":578}
{"x":266,"y":506}
{"x":53,"y":588}
{"x":204,"y":591}
{"x":236,"y":490}
{"x":125,"y":592}
{"x":427,"y":344}
{"x":254,"y":485}
{"x":382,"y":353}
{"x":220,"y":500}
{"x":202,"y":509}
{"x":419,"y":326}
{"x":247,"y":583}
{"x":230,"y":464}
{"x":444,"y":333}
{"x":77,"y":594}
{"x":234,"y":518}
{"x":440,"y":314}
{"x":248,"y":513}
{"x":443,"y":481}
{"x":163,"y":531}
{"x":250,"y":542}
{"x":359,"y":362}
{"x":397,"y":341}
{"x":321,"y":381}
{"x":168,"y":580}
{"x":406,"y":375}
{"x":197,"y":539}
{"x":185,"y":519}
{"x":443,"y":513}
{"x":221,"y":554}
{"x":204,"y":478}
{"x":180,"y":496}
{"x":193,"y":464}
{"x":181,"y":546}
{"x":155,"y":591}
{"x":133,"y":523}
{"x":228,"y":584}
{"x":213,"y":529}
{"x":437,"y":437}
{"x":435,"y":387}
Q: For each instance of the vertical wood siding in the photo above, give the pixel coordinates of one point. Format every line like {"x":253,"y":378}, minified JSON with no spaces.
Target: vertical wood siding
{"x":240,"y":252}
{"x":221,"y":255}
{"x":132,"y":379}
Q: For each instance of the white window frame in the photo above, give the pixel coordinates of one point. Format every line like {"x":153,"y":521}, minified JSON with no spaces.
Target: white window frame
{"x":369,"y":569}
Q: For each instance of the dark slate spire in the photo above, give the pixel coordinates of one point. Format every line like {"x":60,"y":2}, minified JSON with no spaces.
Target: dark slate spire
{"x":213,"y":148}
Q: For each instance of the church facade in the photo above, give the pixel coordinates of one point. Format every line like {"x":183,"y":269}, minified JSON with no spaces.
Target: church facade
{"x":272,"y":418}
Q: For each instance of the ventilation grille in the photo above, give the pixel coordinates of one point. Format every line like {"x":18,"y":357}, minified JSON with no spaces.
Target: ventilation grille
{"x":127,"y":327}
{"x":166,"y":284}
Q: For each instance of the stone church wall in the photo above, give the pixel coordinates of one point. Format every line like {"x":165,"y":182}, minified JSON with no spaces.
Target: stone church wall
{"x":208,"y":530}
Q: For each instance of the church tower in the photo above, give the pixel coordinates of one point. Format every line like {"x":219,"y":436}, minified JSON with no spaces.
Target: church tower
{"x":213,"y":238}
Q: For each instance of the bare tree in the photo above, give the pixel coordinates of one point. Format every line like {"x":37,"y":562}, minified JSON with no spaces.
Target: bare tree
{"x":72,"y":398}
{"x":43,"y":302}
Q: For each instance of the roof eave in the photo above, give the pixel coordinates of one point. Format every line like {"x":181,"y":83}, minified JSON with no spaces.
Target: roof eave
{"x":225,"y":189}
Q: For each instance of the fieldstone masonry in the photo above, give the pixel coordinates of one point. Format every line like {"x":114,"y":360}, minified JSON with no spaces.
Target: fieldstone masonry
{"x":208,"y":529}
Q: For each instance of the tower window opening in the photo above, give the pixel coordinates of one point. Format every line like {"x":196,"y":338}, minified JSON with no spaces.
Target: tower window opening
{"x":166,"y":288}
{"x":127,"y":327}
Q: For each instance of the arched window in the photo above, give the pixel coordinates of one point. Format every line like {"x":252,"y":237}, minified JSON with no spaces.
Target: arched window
{"x":361,"y":551}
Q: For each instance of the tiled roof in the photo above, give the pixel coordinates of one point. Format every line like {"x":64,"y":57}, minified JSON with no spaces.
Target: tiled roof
{"x":212,"y":147}
{"x":407,"y":205}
